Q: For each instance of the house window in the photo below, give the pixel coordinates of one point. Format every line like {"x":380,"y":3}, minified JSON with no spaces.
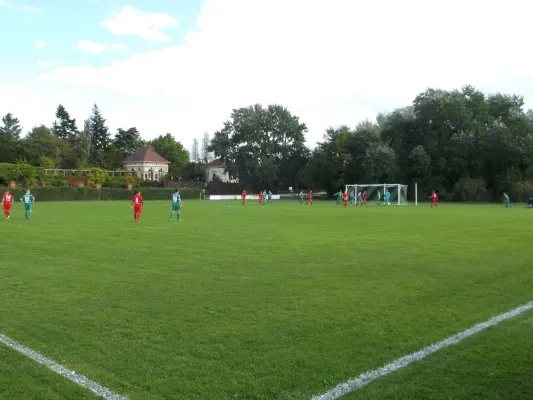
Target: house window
{"x":144,"y":176}
{"x":156,"y":177}
{"x":150,"y":174}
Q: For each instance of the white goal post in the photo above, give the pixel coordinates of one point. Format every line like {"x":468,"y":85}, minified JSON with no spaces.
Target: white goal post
{"x":398,"y":192}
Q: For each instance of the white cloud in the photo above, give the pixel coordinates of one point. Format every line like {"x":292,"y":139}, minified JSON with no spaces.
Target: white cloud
{"x":30,"y":9}
{"x":96,"y":48}
{"x":130,"y":22}
{"x":45,"y":64}
{"x":330,"y":63}
{"x":40,"y":44}
{"x":4,"y":3}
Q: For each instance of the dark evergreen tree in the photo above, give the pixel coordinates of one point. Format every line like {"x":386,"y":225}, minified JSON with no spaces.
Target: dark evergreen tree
{"x":127,"y":142}
{"x":100,"y":137}
{"x":11,"y":128}
{"x":64,"y":127}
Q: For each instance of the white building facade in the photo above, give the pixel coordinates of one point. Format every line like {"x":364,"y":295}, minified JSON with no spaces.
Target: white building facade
{"x":147,"y":164}
{"x":215,"y":170}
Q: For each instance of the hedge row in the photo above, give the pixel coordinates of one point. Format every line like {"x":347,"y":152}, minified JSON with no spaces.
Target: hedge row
{"x":72,"y":194}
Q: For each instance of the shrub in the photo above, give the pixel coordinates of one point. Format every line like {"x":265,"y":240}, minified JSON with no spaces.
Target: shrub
{"x":521,"y":191}
{"x":49,"y":193}
{"x":55,"y":180}
{"x":20,"y":172}
{"x":468,"y":189}
{"x":98,"y":176}
{"x":122,"y":181}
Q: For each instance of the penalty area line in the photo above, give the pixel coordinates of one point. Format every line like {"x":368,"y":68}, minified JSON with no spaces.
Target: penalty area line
{"x":78,"y":379}
{"x":370,"y":376}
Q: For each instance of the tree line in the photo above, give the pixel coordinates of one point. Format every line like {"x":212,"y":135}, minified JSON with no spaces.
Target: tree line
{"x":65,"y":146}
{"x":464,"y":144}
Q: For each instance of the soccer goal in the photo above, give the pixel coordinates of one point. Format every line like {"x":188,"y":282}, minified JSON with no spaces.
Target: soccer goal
{"x":398,"y":192}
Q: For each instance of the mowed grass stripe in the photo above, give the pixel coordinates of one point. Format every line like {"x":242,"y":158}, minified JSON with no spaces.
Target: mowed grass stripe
{"x":253,"y":302}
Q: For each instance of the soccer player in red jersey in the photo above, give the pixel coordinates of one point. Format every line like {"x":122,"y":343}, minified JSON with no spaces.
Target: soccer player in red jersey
{"x":345,"y":199}
{"x":137,"y":203}
{"x":309,"y":198}
{"x":7,"y":201}
{"x":260,"y":197}
{"x":243,"y":197}
{"x":434,"y":199}
{"x":364,"y":197}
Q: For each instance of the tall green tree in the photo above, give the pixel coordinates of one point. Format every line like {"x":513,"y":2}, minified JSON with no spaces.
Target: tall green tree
{"x":174,"y":152}
{"x":82,"y":144}
{"x":258,"y":145}
{"x":100,"y":136}
{"x":10,"y":128}
{"x":41,"y":142}
{"x":205,"y":154}
{"x":127,"y":141}
{"x":195,"y":151}
{"x":64,"y":127}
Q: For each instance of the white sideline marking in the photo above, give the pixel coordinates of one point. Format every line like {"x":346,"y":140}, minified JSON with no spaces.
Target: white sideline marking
{"x":370,"y":376}
{"x":58,"y":369}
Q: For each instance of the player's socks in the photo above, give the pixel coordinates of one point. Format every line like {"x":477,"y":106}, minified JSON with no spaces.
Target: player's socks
{"x":171,"y":215}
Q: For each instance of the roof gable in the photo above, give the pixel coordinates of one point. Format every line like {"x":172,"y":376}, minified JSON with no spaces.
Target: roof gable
{"x":217,"y":163}
{"x":145,"y":155}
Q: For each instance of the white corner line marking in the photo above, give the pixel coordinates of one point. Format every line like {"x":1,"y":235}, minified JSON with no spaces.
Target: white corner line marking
{"x":370,"y":376}
{"x":58,"y":369}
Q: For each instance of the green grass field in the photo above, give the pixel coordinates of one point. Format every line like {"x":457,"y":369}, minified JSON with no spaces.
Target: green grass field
{"x":265,"y":302}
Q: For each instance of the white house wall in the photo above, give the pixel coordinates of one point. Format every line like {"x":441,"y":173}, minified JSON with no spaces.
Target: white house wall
{"x":143,"y":169}
{"x":219,"y":171}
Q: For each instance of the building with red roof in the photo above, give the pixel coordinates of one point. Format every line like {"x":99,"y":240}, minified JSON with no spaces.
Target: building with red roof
{"x":147,"y":164}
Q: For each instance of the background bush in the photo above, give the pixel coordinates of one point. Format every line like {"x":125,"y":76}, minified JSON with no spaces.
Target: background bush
{"x":23,"y":173}
{"x":72,"y":194}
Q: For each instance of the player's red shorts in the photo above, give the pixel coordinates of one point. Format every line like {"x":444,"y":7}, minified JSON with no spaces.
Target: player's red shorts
{"x":137,"y":208}
{"x":7,"y":206}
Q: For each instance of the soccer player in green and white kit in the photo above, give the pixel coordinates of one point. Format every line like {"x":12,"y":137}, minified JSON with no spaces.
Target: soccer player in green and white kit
{"x":378,"y":198}
{"x":176,"y":205}
{"x":339,"y":197}
{"x":360,"y":199}
{"x":302,"y":197}
{"x":506,"y":200}
{"x":351,"y":198}
{"x":28,"y":200}
{"x":269,"y":197}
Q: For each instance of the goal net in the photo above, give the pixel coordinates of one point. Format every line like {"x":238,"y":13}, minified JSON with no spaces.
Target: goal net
{"x":398,"y":192}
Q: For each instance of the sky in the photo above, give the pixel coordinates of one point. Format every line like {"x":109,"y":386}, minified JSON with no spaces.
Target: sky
{"x":182,"y":66}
